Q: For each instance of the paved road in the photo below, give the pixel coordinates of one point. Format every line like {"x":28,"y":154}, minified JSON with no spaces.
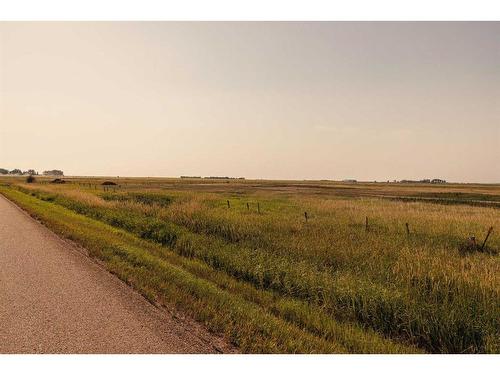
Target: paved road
{"x":54,"y":299}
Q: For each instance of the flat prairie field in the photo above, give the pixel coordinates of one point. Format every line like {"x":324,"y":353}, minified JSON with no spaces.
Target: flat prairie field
{"x":295,"y":266}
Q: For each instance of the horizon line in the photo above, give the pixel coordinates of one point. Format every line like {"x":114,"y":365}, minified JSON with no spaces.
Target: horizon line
{"x":241,"y":178}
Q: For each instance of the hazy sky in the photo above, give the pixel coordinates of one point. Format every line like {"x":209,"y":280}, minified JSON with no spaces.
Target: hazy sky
{"x":371,"y":101}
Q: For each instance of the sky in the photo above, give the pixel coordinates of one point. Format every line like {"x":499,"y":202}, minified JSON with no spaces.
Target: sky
{"x":275,"y":100}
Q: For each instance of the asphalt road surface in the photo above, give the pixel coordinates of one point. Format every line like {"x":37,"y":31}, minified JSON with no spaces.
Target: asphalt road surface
{"x":54,"y":299}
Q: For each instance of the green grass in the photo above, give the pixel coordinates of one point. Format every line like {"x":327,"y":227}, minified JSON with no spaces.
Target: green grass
{"x":253,"y":320}
{"x":146,"y":198}
{"x":328,"y":284}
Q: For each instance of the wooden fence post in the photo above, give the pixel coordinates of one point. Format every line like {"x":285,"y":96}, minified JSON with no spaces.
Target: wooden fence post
{"x":486,"y":239}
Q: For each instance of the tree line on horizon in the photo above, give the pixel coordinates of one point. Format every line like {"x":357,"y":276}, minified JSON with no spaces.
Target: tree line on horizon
{"x":31,"y":172}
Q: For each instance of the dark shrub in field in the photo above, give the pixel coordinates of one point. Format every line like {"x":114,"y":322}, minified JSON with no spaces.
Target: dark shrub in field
{"x":57,"y":181}
{"x":30,"y":179}
{"x":108,"y":183}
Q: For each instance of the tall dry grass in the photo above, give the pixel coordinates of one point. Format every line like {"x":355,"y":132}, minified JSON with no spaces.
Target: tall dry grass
{"x":416,"y":288}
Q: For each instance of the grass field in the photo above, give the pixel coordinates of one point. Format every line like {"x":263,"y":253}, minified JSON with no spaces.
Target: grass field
{"x":299,"y":267}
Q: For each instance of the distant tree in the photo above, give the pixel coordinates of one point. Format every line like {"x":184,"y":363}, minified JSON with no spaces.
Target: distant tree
{"x":16,"y":171}
{"x":53,"y":172}
{"x":4,"y":171}
{"x":31,"y":172}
